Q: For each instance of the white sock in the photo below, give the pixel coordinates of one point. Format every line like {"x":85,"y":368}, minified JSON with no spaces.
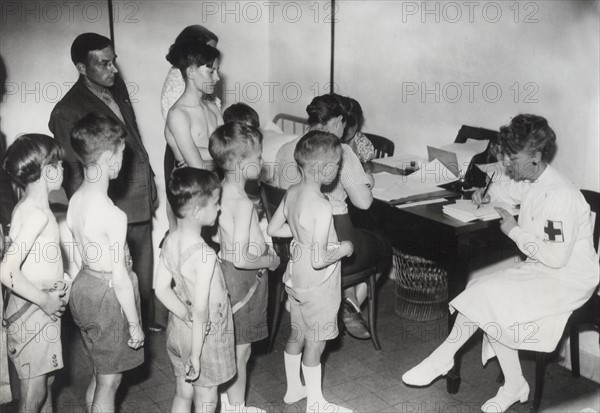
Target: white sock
{"x":295,"y":390}
{"x":315,"y":401}
{"x":239,"y":408}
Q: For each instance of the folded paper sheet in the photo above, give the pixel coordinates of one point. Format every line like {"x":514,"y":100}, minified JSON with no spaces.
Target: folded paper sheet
{"x":466,"y":211}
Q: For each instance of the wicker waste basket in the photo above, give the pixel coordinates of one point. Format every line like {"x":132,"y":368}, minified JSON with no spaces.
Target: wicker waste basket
{"x":421,"y":288}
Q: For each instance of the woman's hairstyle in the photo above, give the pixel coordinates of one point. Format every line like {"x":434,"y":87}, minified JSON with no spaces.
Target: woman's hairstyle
{"x":27,"y":156}
{"x":317,"y":146}
{"x":190,"y":187}
{"x":325,"y":107}
{"x":191,"y":53}
{"x":196,"y":33}
{"x":529,"y":133}
{"x":232,"y":142}
{"x":240,"y":112}
{"x":355,"y":114}
{"x":94,"y":134}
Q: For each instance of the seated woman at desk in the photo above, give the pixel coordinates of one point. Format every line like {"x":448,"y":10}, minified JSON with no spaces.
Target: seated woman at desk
{"x":526,"y":307}
{"x":328,"y":113}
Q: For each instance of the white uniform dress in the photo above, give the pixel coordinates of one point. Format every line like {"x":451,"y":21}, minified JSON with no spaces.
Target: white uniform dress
{"x":527,"y":307}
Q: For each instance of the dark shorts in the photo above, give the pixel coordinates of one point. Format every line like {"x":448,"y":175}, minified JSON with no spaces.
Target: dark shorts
{"x":104,"y":328}
{"x":250,"y":321}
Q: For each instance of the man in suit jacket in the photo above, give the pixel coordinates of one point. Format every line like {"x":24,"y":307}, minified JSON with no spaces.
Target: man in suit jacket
{"x":100,"y":89}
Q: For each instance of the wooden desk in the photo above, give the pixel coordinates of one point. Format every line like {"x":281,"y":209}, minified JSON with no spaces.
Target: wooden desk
{"x":426,"y":231}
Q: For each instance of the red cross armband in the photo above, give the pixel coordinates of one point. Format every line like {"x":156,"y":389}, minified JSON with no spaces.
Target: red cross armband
{"x":553,"y":231}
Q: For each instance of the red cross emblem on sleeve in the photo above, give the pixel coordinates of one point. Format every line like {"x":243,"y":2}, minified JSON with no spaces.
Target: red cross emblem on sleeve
{"x":553,"y":231}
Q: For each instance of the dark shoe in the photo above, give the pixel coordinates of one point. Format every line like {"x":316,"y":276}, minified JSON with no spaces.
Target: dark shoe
{"x":354,"y":321}
{"x":156,"y":328}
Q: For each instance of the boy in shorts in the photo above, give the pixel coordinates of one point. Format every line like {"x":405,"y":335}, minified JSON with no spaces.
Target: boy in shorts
{"x":104,"y":296}
{"x":245,"y":256}
{"x":313,"y":275}
{"x":33,"y":271}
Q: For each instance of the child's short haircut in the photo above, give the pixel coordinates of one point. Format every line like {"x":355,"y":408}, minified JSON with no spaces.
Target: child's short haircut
{"x":191,"y":53}
{"x":94,"y":134}
{"x":231,"y":142}
{"x":317,"y":146}
{"x":189,"y":187}
{"x":240,"y":112}
{"x":28,"y":154}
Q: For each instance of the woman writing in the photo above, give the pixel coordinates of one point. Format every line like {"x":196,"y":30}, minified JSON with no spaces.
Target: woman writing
{"x":528,"y":306}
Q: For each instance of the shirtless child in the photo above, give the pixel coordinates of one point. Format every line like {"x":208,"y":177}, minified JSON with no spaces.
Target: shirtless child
{"x":313,"y":275}
{"x":194,"y":117}
{"x":105,"y":297}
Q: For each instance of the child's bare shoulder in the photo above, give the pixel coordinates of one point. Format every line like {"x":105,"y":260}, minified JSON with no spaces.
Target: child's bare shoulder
{"x":31,"y":214}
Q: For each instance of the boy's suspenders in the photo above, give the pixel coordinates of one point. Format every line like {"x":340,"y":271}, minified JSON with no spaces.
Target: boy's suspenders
{"x":250,"y":292}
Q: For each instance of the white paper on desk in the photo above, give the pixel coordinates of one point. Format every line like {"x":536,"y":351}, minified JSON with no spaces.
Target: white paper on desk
{"x":400,"y":162}
{"x":425,"y":202}
{"x":466,"y":151}
{"x":384,"y":180}
{"x":465,"y":210}
{"x":432,"y":173}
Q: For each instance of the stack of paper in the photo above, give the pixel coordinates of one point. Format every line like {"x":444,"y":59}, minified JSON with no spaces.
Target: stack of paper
{"x":466,"y":151}
{"x":466,"y":211}
{"x":390,"y":187}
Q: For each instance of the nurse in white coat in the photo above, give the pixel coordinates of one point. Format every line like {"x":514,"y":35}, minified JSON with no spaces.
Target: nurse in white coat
{"x":527,"y":307}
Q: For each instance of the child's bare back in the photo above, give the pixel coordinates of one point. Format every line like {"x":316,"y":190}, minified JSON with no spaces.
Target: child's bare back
{"x":43,"y":265}
{"x":92,"y":217}
{"x":237,"y":207}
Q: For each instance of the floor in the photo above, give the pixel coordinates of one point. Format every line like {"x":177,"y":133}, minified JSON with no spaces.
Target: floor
{"x":355,"y":374}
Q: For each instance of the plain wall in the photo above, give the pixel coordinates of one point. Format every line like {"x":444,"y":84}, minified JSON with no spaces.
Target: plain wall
{"x":412,"y":66}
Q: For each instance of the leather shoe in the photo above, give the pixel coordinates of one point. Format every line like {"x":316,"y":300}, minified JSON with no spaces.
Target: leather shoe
{"x":354,"y":321}
{"x":504,"y":400}
{"x":425,"y":372}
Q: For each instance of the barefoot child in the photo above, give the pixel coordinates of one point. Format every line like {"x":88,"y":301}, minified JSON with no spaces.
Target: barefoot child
{"x":313,"y":276}
{"x":105,"y":297}
{"x":199,"y":340}
{"x":33,"y":270}
{"x":245,"y":255}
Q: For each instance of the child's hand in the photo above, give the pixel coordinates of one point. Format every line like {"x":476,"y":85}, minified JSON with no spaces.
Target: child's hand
{"x":55,"y":305}
{"x":507,"y":221}
{"x":275,"y":260}
{"x":192,"y":369}
{"x":347,"y":246}
{"x":136,"y":336}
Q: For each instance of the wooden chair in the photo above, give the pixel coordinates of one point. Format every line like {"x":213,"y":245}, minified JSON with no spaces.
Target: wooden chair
{"x":383,"y":146}
{"x":473,"y":176}
{"x":588,"y":314}
{"x":271,"y":197}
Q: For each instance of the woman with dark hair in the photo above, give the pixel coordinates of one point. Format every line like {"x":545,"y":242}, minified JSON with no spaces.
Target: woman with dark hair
{"x":174,"y":84}
{"x":353,"y":136}
{"x":525,"y":307}
{"x":328,"y":113}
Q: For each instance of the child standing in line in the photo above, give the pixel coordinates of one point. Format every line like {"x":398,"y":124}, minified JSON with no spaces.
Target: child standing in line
{"x":105,"y":297}
{"x":33,"y":270}
{"x":199,"y":340}
{"x":245,"y":255}
{"x":313,"y":275}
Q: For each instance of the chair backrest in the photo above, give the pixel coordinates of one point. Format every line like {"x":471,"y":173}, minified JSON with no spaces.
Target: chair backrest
{"x":593,"y":198}
{"x":291,"y":124}
{"x":271,"y":197}
{"x":473,"y":176}
{"x":383,"y":146}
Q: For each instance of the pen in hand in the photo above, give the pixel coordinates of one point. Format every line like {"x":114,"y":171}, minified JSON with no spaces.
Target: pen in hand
{"x":487,"y":187}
